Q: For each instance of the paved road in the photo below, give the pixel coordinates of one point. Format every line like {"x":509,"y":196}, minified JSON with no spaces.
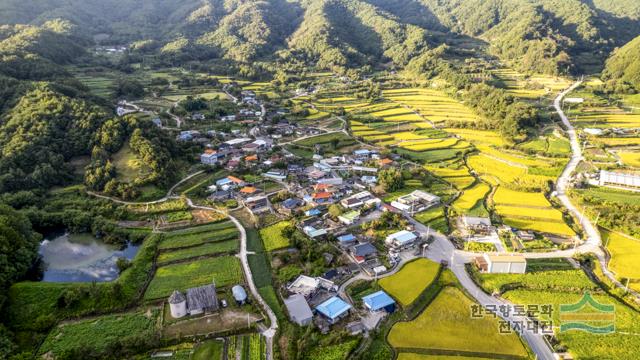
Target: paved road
{"x":270,"y":333}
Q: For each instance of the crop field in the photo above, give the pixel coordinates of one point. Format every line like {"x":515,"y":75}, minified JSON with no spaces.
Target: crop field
{"x":448,"y":320}
{"x":625,"y":254}
{"x":101,"y":86}
{"x":415,"y":356}
{"x":456,"y":174}
{"x":503,"y":172}
{"x":471,"y":198}
{"x":207,"y":249}
{"x":611,"y":195}
{"x":225,"y":231}
{"x":617,"y":141}
{"x":529,"y":211}
{"x":224,"y":271}
{"x":407,"y":284}
{"x":435,"y":218}
{"x":273,"y":238}
{"x":98,"y":334}
{"x":433,"y":105}
{"x":344,"y":140}
{"x":530,"y":87}
{"x":479,"y":136}
{"x":631,"y":159}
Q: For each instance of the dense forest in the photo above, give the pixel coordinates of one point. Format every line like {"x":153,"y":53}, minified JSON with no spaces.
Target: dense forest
{"x":549,"y":36}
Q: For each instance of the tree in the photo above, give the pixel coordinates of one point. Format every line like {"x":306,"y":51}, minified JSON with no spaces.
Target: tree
{"x":390,"y":179}
{"x":18,"y":247}
{"x":128,"y":88}
{"x":335,"y":210}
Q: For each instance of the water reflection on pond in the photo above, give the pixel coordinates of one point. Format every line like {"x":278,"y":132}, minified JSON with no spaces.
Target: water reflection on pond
{"x":81,"y":258}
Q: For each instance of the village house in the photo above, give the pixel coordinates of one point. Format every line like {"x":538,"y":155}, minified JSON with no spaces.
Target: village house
{"x":229,"y":182}
{"x":415,"y":202}
{"x":197,"y":301}
{"x":314,"y":232}
{"x":502,"y":264}
{"x":211,"y":157}
{"x":364,"y":198}
{"x":346,"y":240}
{"x":257,"y":204}
{"x":362,"y":252}
{"x":308,"y":286}
{"x":477,"y":224}
{"x":350,"y":217}
{"x":401,"y":239}
{"x":279,"y":175}
{"x":618,"y":179}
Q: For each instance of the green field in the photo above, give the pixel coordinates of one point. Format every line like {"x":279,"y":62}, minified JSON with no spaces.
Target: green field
{"x":625,"y":254}
{"x":207,"y":249}
{"x":224,"y":270}
{"x":273,"y":238}
{"x":99,"y":334}
{"x":128,"y":166}
{"x":450,"y":326}
{"x":414,"y":277}
{"x":208,"y":350}
{"x":333,"y":352}
{"x":221,"y":231}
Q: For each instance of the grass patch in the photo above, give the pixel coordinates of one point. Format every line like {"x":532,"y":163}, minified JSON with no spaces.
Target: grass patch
{"x":208,"y":350}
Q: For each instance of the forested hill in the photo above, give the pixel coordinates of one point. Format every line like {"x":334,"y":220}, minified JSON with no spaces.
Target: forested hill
{"x":548,"y":36}
{"x":623,"y":68}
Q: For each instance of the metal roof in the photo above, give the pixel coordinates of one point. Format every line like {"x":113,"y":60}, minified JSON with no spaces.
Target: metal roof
{"x":298,"y":307}
{"x":378,"y":300}
{"x":203,"y":297}
{"x":238,"y":293}
{"x":333,"y":307}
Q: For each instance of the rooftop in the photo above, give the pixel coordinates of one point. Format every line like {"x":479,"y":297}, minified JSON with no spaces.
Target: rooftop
{"x":333,"y":307}
{"x":378,"y":300}
{"x":506,"y":258}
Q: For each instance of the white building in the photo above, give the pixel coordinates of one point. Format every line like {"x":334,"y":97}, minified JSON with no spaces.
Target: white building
{"x":178,"y":305}
{"x":619,"y":179}
{"x":415,"y":202}
{"x":502,"y":264}
{"x":360,"y":199}
{"x":401,"y":238}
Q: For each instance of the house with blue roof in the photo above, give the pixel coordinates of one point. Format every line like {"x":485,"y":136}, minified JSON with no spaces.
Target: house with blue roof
{"x":313,"y":212}
{"x":334,"y":309}
{"x":346,"y":239}
{"x":379,"y":301}
{"x":401,"y":239}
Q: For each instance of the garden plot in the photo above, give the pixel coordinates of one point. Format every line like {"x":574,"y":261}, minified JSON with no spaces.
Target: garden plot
{"x":471,"y":200}
{"x":625,"y":256}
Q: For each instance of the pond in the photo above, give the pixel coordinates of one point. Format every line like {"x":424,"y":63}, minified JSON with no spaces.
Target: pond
{"x":81,"y":258}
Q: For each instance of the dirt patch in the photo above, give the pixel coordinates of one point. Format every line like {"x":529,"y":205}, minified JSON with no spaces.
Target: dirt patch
{"x":226,"y":320}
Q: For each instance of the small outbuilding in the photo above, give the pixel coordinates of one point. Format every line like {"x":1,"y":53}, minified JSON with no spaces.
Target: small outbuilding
{"x":379,"y":301}
{"x":502,"y":264}
{"x":239,"y":294}
{"x":177,"y":304}
{"x":299,"y":310}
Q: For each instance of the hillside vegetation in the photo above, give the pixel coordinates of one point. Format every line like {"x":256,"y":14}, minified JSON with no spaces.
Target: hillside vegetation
{"x":548,"y":36}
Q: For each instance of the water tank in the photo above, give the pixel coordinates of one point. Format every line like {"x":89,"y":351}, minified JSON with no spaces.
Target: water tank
{"x":239,"y":294}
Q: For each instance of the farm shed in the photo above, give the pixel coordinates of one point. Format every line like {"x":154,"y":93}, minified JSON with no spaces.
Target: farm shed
{"x":201,"y":299}
{"x":334,"y":309}
{"x":379,"y":301}
{"x":299,"y":310}
{"x":502,"y":264}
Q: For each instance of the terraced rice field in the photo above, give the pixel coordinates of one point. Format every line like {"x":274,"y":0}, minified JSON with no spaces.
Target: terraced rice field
{"x":434,"y":105}
{"x":472,"y":199}
{"x":530,"y":87}
{"x":529,"y":211}
{"x":503,"y":172}
{"x":456,"y":174}
{"x":629,"y":158}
